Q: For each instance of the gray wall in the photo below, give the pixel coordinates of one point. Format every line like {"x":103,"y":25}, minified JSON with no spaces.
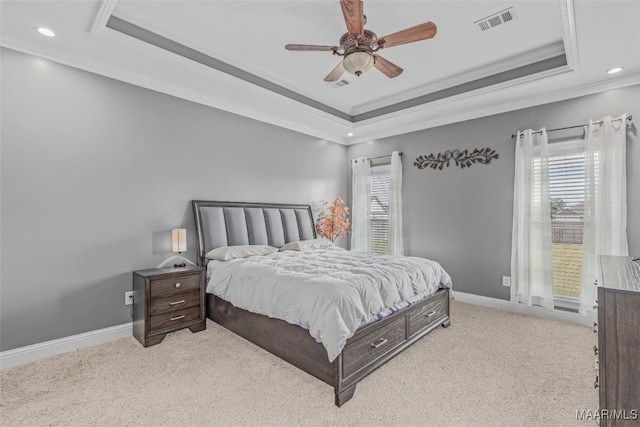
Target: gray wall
{"x":462,"y":217}
{"x":95,"y":173}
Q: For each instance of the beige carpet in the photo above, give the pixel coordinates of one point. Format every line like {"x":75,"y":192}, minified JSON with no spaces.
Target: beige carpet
{"x":490,"y":368}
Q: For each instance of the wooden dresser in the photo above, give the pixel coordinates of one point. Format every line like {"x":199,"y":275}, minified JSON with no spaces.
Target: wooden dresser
{"x":618,"y":350}
{"x":165,"y":300}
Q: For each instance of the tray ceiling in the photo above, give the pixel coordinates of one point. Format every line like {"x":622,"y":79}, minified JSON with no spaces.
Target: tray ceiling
{"x":230,"y":55}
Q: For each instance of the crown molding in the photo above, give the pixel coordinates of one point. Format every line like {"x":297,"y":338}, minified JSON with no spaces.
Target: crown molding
{"x":102,"y":16}
{"x":423,"y":113}
{"x":569,"y":34}
{"x":266,"y":106}
{"x":421,"y":119}
{"x":281,"y":111}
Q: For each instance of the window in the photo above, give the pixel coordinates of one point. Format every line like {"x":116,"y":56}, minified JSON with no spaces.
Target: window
{"x":380,"y":183}
{"x":567,"y":194}
{"x":569,"y":207}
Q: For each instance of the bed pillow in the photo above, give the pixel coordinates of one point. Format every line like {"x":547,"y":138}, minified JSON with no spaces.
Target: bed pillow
{"x":307,"y":244}
{"x":226,"y":253}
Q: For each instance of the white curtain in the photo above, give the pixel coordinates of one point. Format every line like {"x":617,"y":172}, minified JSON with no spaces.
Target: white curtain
{"x":531,"y":267}
{"x":605,"y":207}
{"x":361,"y":170}
{"x":396,"y":240}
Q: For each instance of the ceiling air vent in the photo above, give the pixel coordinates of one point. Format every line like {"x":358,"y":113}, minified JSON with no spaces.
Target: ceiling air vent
{"x":338,"y":84}
{"x":494,"y":20}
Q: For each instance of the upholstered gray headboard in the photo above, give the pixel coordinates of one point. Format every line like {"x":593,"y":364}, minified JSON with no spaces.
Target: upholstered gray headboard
{"x":238,"y":223}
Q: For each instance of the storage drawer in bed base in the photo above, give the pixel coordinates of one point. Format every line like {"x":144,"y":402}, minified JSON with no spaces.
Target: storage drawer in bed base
{"x":389,"y":329}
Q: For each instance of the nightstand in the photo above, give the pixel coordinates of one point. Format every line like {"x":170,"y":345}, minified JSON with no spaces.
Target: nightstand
{"x":165,"y":300}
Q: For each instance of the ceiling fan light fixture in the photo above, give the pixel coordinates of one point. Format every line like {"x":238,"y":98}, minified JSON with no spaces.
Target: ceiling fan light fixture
{"x":358,"y":62}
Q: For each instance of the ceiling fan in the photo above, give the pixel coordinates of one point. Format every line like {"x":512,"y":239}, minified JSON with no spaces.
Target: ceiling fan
{"x":359,"y":46}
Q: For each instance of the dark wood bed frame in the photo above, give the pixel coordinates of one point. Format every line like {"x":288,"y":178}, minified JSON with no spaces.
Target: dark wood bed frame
{"x":371,"y":346}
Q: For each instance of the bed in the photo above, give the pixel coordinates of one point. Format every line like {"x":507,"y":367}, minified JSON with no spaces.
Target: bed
{"x":222,"y":224}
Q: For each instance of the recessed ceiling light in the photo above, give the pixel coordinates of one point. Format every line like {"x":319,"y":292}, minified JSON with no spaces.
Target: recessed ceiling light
{"x":46,"y":32}
{"x":350,"y":134}
{"x":615,"y":70}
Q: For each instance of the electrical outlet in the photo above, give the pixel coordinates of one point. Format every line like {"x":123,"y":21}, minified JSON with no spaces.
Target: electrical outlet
{"x":128,"y":298}
{"x":506,"y":281}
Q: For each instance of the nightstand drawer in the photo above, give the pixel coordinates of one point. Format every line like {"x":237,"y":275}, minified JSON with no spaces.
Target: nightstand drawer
{"x":174,"y":285}
{"x":174,"y":303}
{"x":174,"y":319}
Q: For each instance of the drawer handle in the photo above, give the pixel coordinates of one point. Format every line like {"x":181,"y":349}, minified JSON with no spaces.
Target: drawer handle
{"x":595,"y":350}
{"x":378,"y":343}
{"x":178,"y":285}
{"x":177,"y":302}
{"x":178,"y":317}
{"x":429,"y":314}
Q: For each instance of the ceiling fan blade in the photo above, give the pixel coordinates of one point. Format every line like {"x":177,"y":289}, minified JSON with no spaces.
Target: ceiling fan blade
{"x":310,"y":47}
{"x":335,"y":73}
{"x":387,"y":68}
{"x":409,"y":35}
{"x":353,"y":12}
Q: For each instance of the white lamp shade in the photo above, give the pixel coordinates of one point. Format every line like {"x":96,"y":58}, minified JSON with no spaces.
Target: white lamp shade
{"x":358,"y":62}
{"x":179,"y":239}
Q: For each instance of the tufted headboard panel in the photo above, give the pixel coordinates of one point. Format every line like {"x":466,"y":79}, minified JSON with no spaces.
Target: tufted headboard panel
{"x":239,"y":223}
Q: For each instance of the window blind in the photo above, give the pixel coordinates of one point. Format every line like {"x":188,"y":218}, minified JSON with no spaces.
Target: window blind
{"x":567,"y":194}
{"x":380,"y":183}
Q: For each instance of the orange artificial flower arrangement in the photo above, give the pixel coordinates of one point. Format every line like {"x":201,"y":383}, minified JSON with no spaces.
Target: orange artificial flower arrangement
{"x":333,"y":220}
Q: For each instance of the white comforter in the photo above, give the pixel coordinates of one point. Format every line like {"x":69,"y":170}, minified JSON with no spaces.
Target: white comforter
{"x":330,"y":292}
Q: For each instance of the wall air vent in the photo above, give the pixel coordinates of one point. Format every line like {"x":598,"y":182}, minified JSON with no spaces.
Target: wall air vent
{"x":338,"y":84}
{"x":494,"y":20}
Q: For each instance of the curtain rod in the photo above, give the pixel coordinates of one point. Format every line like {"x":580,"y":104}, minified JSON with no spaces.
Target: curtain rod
{"x":386,"y":155}
{"x":629,"y":119}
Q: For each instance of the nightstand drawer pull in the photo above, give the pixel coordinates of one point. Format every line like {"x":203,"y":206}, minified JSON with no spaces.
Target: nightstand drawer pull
{"x":178,"y":285}
{"x":378,"y":343}
{"x":178,"y":317}
{"x":429,"y":314}
{"x":177,"y":302}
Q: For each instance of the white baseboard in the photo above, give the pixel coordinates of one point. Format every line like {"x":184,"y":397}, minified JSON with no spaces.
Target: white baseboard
{"x":49,"y":348}
{"x":26,"y":354}
{"x":564,"y":316}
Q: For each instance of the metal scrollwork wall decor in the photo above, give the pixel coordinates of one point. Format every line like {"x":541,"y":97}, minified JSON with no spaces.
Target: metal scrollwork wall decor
{"x":463,"y":158}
